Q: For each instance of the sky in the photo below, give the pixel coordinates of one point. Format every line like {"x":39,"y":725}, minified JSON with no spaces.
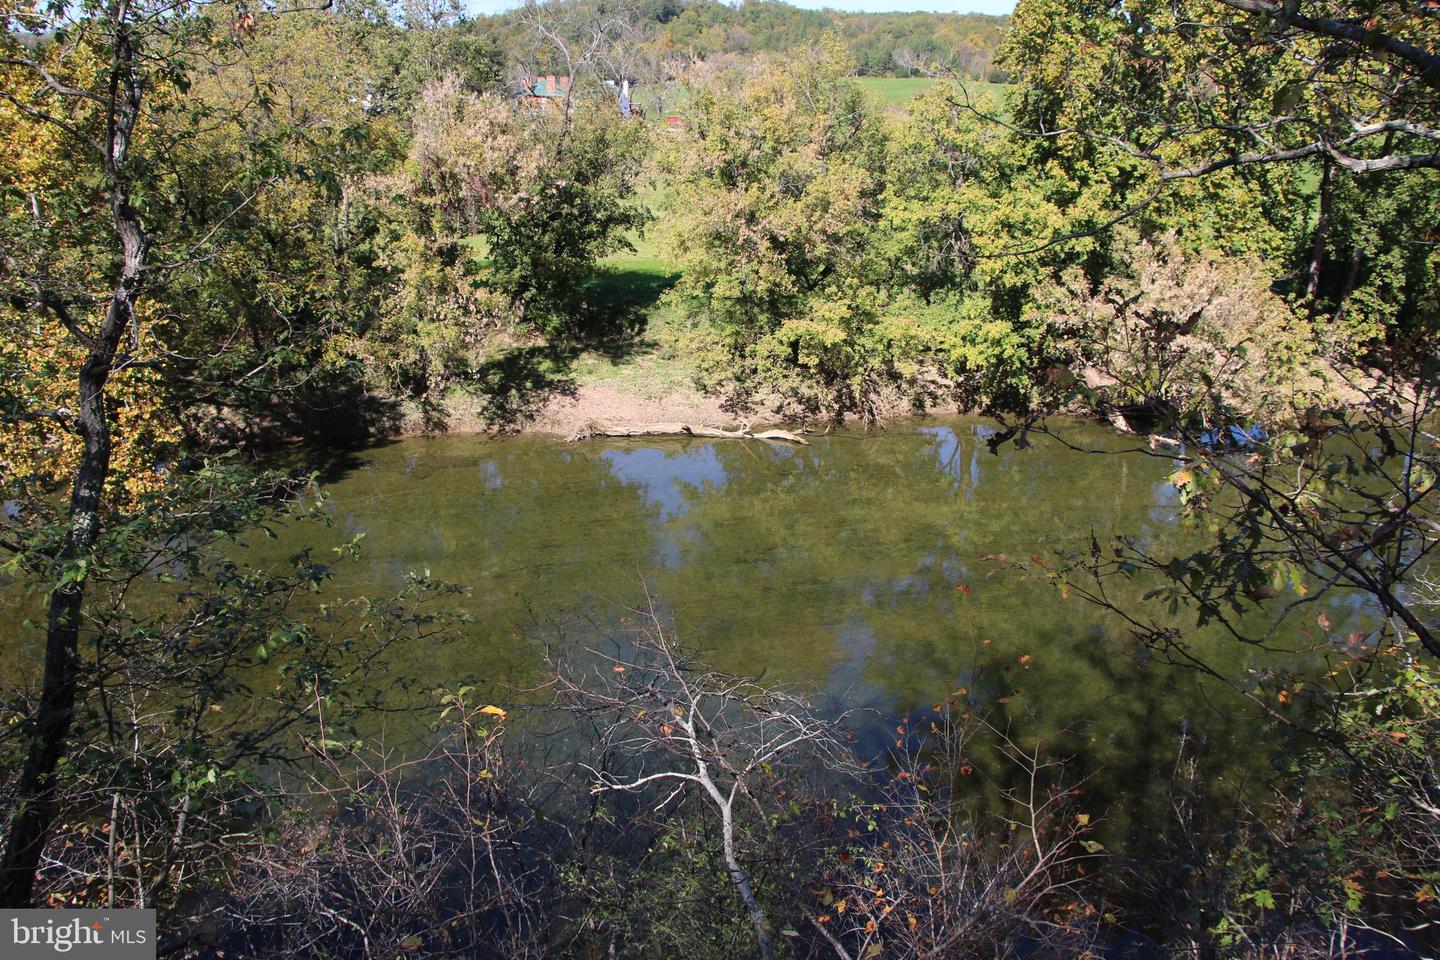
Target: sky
{"x":869,"y":6}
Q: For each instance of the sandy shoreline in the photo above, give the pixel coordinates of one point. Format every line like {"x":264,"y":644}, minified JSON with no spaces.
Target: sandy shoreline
{"x":578,"y":409}
{"x":587,"y":407}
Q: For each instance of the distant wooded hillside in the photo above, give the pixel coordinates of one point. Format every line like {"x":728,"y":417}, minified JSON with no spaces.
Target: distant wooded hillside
{"x":883,"y":44}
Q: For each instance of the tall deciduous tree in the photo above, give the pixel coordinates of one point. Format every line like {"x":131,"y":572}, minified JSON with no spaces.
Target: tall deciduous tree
{"x":94,"y":102}
{"x":1218,"y":117}
{"x":98,"y":230}
{"x":493,"y":224}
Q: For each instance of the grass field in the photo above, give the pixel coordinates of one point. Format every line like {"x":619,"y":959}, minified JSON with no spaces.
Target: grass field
{"x":897,"y":91}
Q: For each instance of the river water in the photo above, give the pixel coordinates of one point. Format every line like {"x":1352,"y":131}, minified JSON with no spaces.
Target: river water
{"x":850,"y":568}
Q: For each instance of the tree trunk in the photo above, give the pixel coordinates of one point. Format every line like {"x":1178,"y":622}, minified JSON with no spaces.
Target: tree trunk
{"x":49,"y":729}
{"x":742,"y":885}
{"x":1322,"y":228}
{"x":1351,"y":277}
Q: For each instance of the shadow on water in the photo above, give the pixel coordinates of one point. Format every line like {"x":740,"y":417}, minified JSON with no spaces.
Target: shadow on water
{"x":332,"y":464}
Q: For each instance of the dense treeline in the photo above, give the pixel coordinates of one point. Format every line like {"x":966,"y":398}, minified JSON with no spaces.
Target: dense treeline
{"x":1213,"y":222}
{"x":882,"y":44}
{"x":845,"y":257}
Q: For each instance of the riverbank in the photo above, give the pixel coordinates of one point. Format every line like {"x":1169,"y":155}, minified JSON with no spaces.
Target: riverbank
{"x":648,"y":377}
{"x":639,"y":367}
{"x":607,"y":395}
{"x":575,"y":410}
{"x":586,"y":408}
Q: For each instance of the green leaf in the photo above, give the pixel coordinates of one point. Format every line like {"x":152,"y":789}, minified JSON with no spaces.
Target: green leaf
{"x":1288,"y":97}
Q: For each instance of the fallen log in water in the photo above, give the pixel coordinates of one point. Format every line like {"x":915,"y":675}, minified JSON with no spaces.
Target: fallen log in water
{"x":686,"y":430}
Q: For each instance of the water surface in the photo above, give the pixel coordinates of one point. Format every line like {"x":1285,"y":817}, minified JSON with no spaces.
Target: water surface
{"x":840,"y":567}
{"x":851,"y":568}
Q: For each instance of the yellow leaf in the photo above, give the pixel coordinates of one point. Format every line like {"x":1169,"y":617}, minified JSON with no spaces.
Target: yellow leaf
{"x":493,"y":711}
